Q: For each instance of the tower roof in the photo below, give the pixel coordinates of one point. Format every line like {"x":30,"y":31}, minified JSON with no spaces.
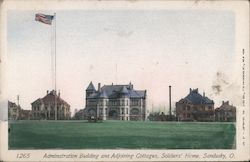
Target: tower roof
{"x":91,"y":87}
{"x":124,"y":90}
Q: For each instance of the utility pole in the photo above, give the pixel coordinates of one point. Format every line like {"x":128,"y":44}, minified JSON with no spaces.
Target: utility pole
{"x":55,"y":67}
{"x":17,"y":100}
{"x":170,"y":113}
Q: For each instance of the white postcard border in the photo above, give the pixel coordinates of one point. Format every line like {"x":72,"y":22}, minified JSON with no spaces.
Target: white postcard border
{"x":241,"y":10}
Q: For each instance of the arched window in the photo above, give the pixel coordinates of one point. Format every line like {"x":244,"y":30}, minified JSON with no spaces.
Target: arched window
{"x":135,"y":111}
{"x":113,"y":113}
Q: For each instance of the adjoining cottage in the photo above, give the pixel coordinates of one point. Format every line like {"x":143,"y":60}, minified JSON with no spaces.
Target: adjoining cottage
{"x":225,"y":112}
{"x":115,"y":102}
{"x":44,"y":108}
{"x":195,"y":107}
{"x":13,"y":111}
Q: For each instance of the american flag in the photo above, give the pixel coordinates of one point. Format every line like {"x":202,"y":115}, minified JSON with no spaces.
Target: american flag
{"x":46,"y":19}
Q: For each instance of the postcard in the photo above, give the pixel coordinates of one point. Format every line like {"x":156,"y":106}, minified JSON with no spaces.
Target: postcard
{"x":124,"y":81}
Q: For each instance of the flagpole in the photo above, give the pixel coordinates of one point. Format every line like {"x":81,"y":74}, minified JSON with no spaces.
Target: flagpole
{"x":52,"y":56}
{"x":48,"y":19}
{"x":55,"y":68}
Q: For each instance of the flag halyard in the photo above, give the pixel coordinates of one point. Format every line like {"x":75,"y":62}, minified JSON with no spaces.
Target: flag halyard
{"x":46,"y":19}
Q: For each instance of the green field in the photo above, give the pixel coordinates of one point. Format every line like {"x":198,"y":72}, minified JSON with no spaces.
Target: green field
{"x":120,"y":134}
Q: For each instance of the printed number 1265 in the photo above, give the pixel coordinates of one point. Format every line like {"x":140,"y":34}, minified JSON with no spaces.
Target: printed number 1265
{"x":23,"y":155}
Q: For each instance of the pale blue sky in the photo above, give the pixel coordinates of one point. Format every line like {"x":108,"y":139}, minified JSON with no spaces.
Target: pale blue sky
{"x":152,"y":49}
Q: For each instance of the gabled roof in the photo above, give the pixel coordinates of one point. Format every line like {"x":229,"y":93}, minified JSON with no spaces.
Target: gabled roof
{"x":195,"y":98}
{"x":124,"y":90}
{"x":103,"y":94}
{"x":138,"y":94}
{"x":12,"y":104}
{"x":226,"y":106}
{"x":39,"y":100}
{"x":116,"y":91}
{"x":207,"y":100}
{"x":91,"y":87}
{"x":50,"y":98}
{"x":111,"y":89}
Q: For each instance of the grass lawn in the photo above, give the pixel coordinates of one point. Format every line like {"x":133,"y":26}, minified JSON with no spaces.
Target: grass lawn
{"x":120,"y":134}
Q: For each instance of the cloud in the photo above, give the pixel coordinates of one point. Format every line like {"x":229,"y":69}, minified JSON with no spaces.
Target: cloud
{"x":120,"y":33}
{"x":224,"y":89}
{"x":219,"y":83}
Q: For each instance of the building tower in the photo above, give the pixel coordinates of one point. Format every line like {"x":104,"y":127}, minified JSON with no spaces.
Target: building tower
{"x":90,"y":89}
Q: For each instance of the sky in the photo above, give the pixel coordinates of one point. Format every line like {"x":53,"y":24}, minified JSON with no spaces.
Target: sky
{"x":152,"y":49}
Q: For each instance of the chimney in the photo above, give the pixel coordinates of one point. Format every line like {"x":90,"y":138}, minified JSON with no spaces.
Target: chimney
{"x":170,"y":101}
{"x":222,"y":102}
{"x":59,"y":93}
{"x":190,"y":90}
{"x":130,"y":85}
{"x":47,"y":91}
{"x":99,"y":87}
{"x":203,"y":94}
{"x":17,"y":100}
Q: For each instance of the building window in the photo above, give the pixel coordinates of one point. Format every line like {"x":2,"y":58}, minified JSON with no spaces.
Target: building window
{"x":122,"y":110}
{"x":135,"y":111}
{"x":135,"y":102}
{"x":126,"y":110}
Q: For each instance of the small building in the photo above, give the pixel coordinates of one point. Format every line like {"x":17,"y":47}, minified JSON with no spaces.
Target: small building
{"x":44,"y":108}
{"x":13,"y":111}
{"x":225,"y":112}
{"x":24,"y":114}
{"x":195,"y":107}
{"x":115,"y":102}
{"x":80,"y":115}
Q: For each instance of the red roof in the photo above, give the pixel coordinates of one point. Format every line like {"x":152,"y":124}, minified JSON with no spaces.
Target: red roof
{"x":50,"y":98}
